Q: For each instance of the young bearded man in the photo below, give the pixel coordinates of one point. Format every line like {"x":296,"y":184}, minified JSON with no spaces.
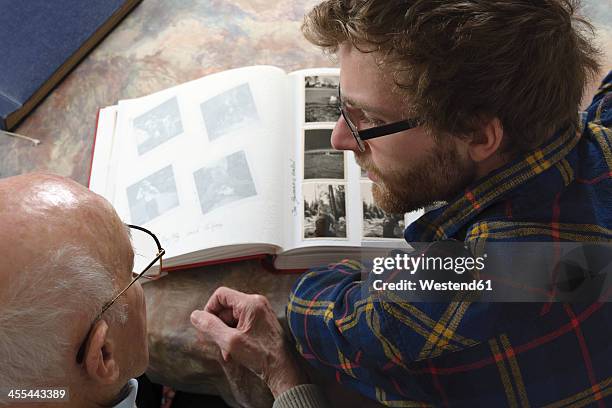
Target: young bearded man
{"x":473,"y":103}
{"x":483,"y":97}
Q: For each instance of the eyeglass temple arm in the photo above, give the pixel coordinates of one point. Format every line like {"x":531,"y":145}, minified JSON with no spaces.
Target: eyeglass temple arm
{"x":109,"y":304}
{"x":81,"y":352}
{"x":388,"y":129}
{"x":379,"y":131}
{"x":160,"y":252}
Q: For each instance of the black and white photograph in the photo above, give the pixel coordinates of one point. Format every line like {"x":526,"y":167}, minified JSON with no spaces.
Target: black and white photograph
{"x":376,"y":222}
{"x":324,"y":210}
{"x":152,"y":196}
{"x":321,"y":160}
{"x":224,"y":182}
{"x":157,"y":126}
{"x":227,"y":112}
{"x":321,"y":98}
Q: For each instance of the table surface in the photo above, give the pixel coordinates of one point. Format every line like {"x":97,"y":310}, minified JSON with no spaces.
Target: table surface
{"x":162,"y":44}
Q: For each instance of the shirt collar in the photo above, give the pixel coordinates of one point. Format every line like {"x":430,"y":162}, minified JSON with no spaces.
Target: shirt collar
{"x":130,"y":400}
{"x":446,"y":221}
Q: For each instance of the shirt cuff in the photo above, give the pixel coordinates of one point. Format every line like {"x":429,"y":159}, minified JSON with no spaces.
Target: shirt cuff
{"x":301,"y":396}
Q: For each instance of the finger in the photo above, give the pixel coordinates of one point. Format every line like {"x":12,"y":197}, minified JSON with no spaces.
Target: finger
{"x":226,"y":315}
{"x":223,"y":298}
{"x":213,"y":328}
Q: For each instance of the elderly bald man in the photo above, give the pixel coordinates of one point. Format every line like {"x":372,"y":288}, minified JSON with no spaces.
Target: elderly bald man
{"x":65,"y":253}
{"x":66,"y":256}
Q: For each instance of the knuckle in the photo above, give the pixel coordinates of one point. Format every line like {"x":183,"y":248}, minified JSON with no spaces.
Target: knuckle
{"x":260,"y":300}
{"x":220,"y":290}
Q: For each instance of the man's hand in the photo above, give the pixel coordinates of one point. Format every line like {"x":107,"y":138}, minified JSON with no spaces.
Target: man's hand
{"x":246,"y":330}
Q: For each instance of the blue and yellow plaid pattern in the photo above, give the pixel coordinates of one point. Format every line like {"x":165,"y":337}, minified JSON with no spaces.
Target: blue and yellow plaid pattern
{"x":480,"y":354}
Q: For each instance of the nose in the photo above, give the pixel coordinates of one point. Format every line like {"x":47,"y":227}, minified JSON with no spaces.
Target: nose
{"x":342,"y":138}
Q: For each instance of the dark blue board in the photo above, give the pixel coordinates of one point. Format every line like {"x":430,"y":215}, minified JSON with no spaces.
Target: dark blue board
{"x":37,"y":37}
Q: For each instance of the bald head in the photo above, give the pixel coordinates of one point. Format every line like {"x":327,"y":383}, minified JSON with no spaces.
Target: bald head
{"x":40,"y":213}
{"x":65,"y":253}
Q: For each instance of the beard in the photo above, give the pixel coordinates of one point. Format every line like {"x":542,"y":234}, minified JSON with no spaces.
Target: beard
{"x":438,"y":176}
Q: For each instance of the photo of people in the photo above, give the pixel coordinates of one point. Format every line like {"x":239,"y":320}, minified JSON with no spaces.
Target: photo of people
{"x":321,"y":160}
{"x":229,"y":111}
{"x":157,"y":126}
{"x":152,"y":196}
{"x":321,"y":98}
{"x":376,"y":222}
{"x":324,"y":210}
{"x":224,"y":182}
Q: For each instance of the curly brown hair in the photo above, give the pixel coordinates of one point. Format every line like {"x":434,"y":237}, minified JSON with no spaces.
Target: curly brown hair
{"x":459,"y":62}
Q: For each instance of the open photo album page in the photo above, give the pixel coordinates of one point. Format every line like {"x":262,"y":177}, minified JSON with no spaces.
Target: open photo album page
{"x":201,"y":162}
{"x":332,"y":196}
{"x":240,"y":161}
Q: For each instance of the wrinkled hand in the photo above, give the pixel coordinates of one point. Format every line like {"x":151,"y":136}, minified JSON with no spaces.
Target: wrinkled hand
{"x":246,"y":329}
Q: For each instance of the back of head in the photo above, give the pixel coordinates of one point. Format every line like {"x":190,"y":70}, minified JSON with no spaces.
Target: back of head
{"x":459,"y":62}
{"x":41,"y":310}
{"x":56,"y":274}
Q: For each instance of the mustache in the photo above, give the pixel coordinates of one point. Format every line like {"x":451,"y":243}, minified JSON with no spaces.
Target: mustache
{"x":362,"y":160}
{"x":365,"y":162}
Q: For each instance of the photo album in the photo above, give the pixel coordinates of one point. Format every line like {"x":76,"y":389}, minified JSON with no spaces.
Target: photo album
{"x":237,"y":165}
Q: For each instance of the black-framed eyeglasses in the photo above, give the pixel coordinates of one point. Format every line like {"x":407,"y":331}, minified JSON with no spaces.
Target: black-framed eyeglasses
{"x":373,"y":132}
{"x":135,"y":276}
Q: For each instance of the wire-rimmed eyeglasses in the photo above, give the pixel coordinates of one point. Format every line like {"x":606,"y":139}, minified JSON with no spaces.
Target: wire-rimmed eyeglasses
{"x":373,"y":132}
{"x":135,"y":276}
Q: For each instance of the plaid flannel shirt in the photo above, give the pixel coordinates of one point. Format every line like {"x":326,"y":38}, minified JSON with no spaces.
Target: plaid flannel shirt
{"x":480,"y":354}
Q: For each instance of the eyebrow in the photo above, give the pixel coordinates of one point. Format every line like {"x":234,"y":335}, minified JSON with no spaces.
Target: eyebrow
{"x":363,"y":106}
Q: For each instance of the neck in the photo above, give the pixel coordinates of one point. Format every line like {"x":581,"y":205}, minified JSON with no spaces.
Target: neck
{"x":492,"y":163}
{"x":103,"y":398}
{"x":125,"y":391}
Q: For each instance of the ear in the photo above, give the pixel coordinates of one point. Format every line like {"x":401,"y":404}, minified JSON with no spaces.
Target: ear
{"x":100,"y":355}
{"x":487,"y":142}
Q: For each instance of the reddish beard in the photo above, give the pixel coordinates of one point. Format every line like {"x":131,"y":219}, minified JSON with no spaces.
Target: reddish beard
{"x":439,"y":175}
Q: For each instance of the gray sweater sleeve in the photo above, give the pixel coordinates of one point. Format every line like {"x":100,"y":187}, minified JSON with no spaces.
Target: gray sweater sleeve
{"x":302,"y":396}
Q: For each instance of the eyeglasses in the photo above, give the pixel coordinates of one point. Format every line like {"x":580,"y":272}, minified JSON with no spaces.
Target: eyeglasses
{"x":135,"y":276}
{"x":373,"y":132}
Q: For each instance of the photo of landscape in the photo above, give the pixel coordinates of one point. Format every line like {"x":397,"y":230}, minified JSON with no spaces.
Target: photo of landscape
{"x":321,"y":97}
{"x":321,"y":160}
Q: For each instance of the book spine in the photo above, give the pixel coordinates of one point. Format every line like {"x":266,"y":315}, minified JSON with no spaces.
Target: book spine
{"x":8,"y":106}
{"x":213,"y":262}
{"x":93,"y":149}
{"x":268,"y":263}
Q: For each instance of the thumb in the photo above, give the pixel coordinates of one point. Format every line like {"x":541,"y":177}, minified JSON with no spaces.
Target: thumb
{"x":213,"y":328}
